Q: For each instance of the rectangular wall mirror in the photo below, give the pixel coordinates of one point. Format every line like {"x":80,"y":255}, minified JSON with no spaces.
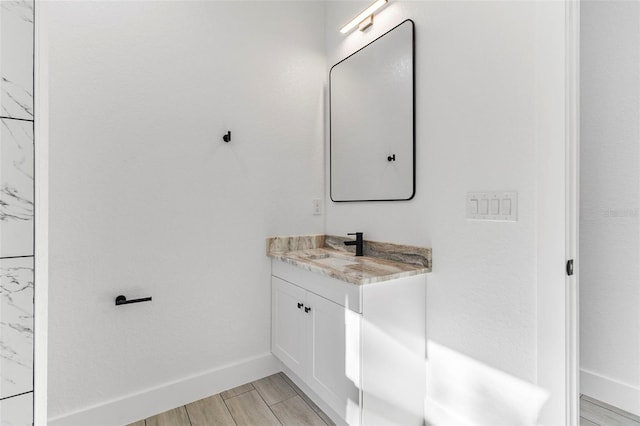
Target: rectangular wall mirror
{"x":372,"y":116}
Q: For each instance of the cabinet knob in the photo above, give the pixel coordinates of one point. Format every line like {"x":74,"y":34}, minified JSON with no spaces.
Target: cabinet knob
{"x":307,"y":309}
{"x":300,"y":305}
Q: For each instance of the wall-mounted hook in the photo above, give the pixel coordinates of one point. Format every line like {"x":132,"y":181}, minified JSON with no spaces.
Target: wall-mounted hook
{"x":227,"y":137}
{"x":391,"y":158}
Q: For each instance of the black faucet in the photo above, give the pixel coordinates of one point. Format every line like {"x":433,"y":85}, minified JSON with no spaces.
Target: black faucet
{"x":358,"y":242}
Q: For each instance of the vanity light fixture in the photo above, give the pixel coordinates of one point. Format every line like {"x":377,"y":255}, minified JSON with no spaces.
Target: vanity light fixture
{"x":365,"y":18}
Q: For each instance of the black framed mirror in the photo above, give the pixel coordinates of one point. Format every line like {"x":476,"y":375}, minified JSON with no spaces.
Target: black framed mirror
{"x":372,"y":120}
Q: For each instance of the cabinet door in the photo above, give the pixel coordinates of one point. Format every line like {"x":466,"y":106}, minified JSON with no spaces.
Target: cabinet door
{"x":288,"y":324}
{"x":335,"y":356}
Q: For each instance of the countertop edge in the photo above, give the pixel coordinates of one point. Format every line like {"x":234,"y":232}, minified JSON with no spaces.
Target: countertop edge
{"x":283,"y":257}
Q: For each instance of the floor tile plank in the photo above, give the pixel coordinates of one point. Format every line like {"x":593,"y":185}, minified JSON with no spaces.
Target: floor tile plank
{"x":210,"y":411}
{"x":302,"y":395}
{"x":237,"y":391}
{"x":611,"y":408}
{"x":585,"y":422}
{"x":274,"y":389}
{"x":601,"y":416}
{"x":295,"y":412}
{"x":176,"y":417}
{"x":249,"y":409}
{"x":308,"y":400}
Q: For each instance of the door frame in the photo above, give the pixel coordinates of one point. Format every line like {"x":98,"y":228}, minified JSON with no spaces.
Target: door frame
{"x":572,"y":238}
{"x":572,"y":181}
{"x":557,"y":149}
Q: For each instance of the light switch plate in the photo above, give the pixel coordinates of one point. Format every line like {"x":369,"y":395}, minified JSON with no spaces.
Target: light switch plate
{"x":492,"y":205}
{"x":317,"y":207}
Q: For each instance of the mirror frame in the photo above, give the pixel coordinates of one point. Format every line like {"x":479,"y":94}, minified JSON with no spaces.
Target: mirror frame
{"x":413,"y":115}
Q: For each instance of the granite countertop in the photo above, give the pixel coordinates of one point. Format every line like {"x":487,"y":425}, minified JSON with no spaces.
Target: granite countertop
{"x":327,"y":255}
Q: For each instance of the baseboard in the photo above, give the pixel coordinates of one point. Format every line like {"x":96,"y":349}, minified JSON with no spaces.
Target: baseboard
{"x":137,"y":406}
{"x":613,"y":392}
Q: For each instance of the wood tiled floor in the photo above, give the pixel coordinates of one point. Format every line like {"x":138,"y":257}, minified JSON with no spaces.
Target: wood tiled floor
{"x":273,"y":400}
{"x":276,"y":400}
{"x":598,"y":413}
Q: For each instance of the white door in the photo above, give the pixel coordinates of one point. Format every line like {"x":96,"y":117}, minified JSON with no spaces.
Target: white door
{"x":288,"y":324}
{"x":335,"y":356}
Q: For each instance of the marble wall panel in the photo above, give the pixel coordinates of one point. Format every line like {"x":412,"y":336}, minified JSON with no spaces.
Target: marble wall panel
{"x":16,"y":58}
{"x":16,"y":326}
{"x":16,"y":188}
{"x":17,"y":411}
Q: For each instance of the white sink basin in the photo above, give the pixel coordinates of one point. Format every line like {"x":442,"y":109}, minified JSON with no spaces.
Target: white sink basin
{"x":332,"y":260}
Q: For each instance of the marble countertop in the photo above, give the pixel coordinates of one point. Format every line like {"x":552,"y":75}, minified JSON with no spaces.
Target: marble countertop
{"x":327,"y":255}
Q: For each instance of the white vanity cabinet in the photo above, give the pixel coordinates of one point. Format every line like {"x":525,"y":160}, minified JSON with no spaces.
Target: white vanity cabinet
{"x":289,"y":325}
{"x":360,"y":348}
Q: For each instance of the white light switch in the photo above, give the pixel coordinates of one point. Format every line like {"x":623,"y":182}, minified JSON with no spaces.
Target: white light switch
{"x":505,"y":207}
{"x":495,"y":206}
{"x":474,"y":206}
{"x":492,"y":205}
{"x":484,"y":206}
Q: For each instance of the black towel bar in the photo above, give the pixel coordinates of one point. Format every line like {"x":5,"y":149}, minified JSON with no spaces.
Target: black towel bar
{"x":122,"y":300}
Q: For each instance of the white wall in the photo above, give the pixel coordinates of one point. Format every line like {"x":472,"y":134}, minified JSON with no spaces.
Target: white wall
{"x":485,"y":84}
{"x":610,"y":203}
{"x":146,"y":199}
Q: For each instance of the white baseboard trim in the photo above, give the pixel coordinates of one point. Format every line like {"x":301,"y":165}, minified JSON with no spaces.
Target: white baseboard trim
{"x":613,"y":392}
{"x":155,"y":400}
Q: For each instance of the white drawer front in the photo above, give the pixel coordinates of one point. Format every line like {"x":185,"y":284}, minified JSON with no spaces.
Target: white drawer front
{"x":340,"y":292}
